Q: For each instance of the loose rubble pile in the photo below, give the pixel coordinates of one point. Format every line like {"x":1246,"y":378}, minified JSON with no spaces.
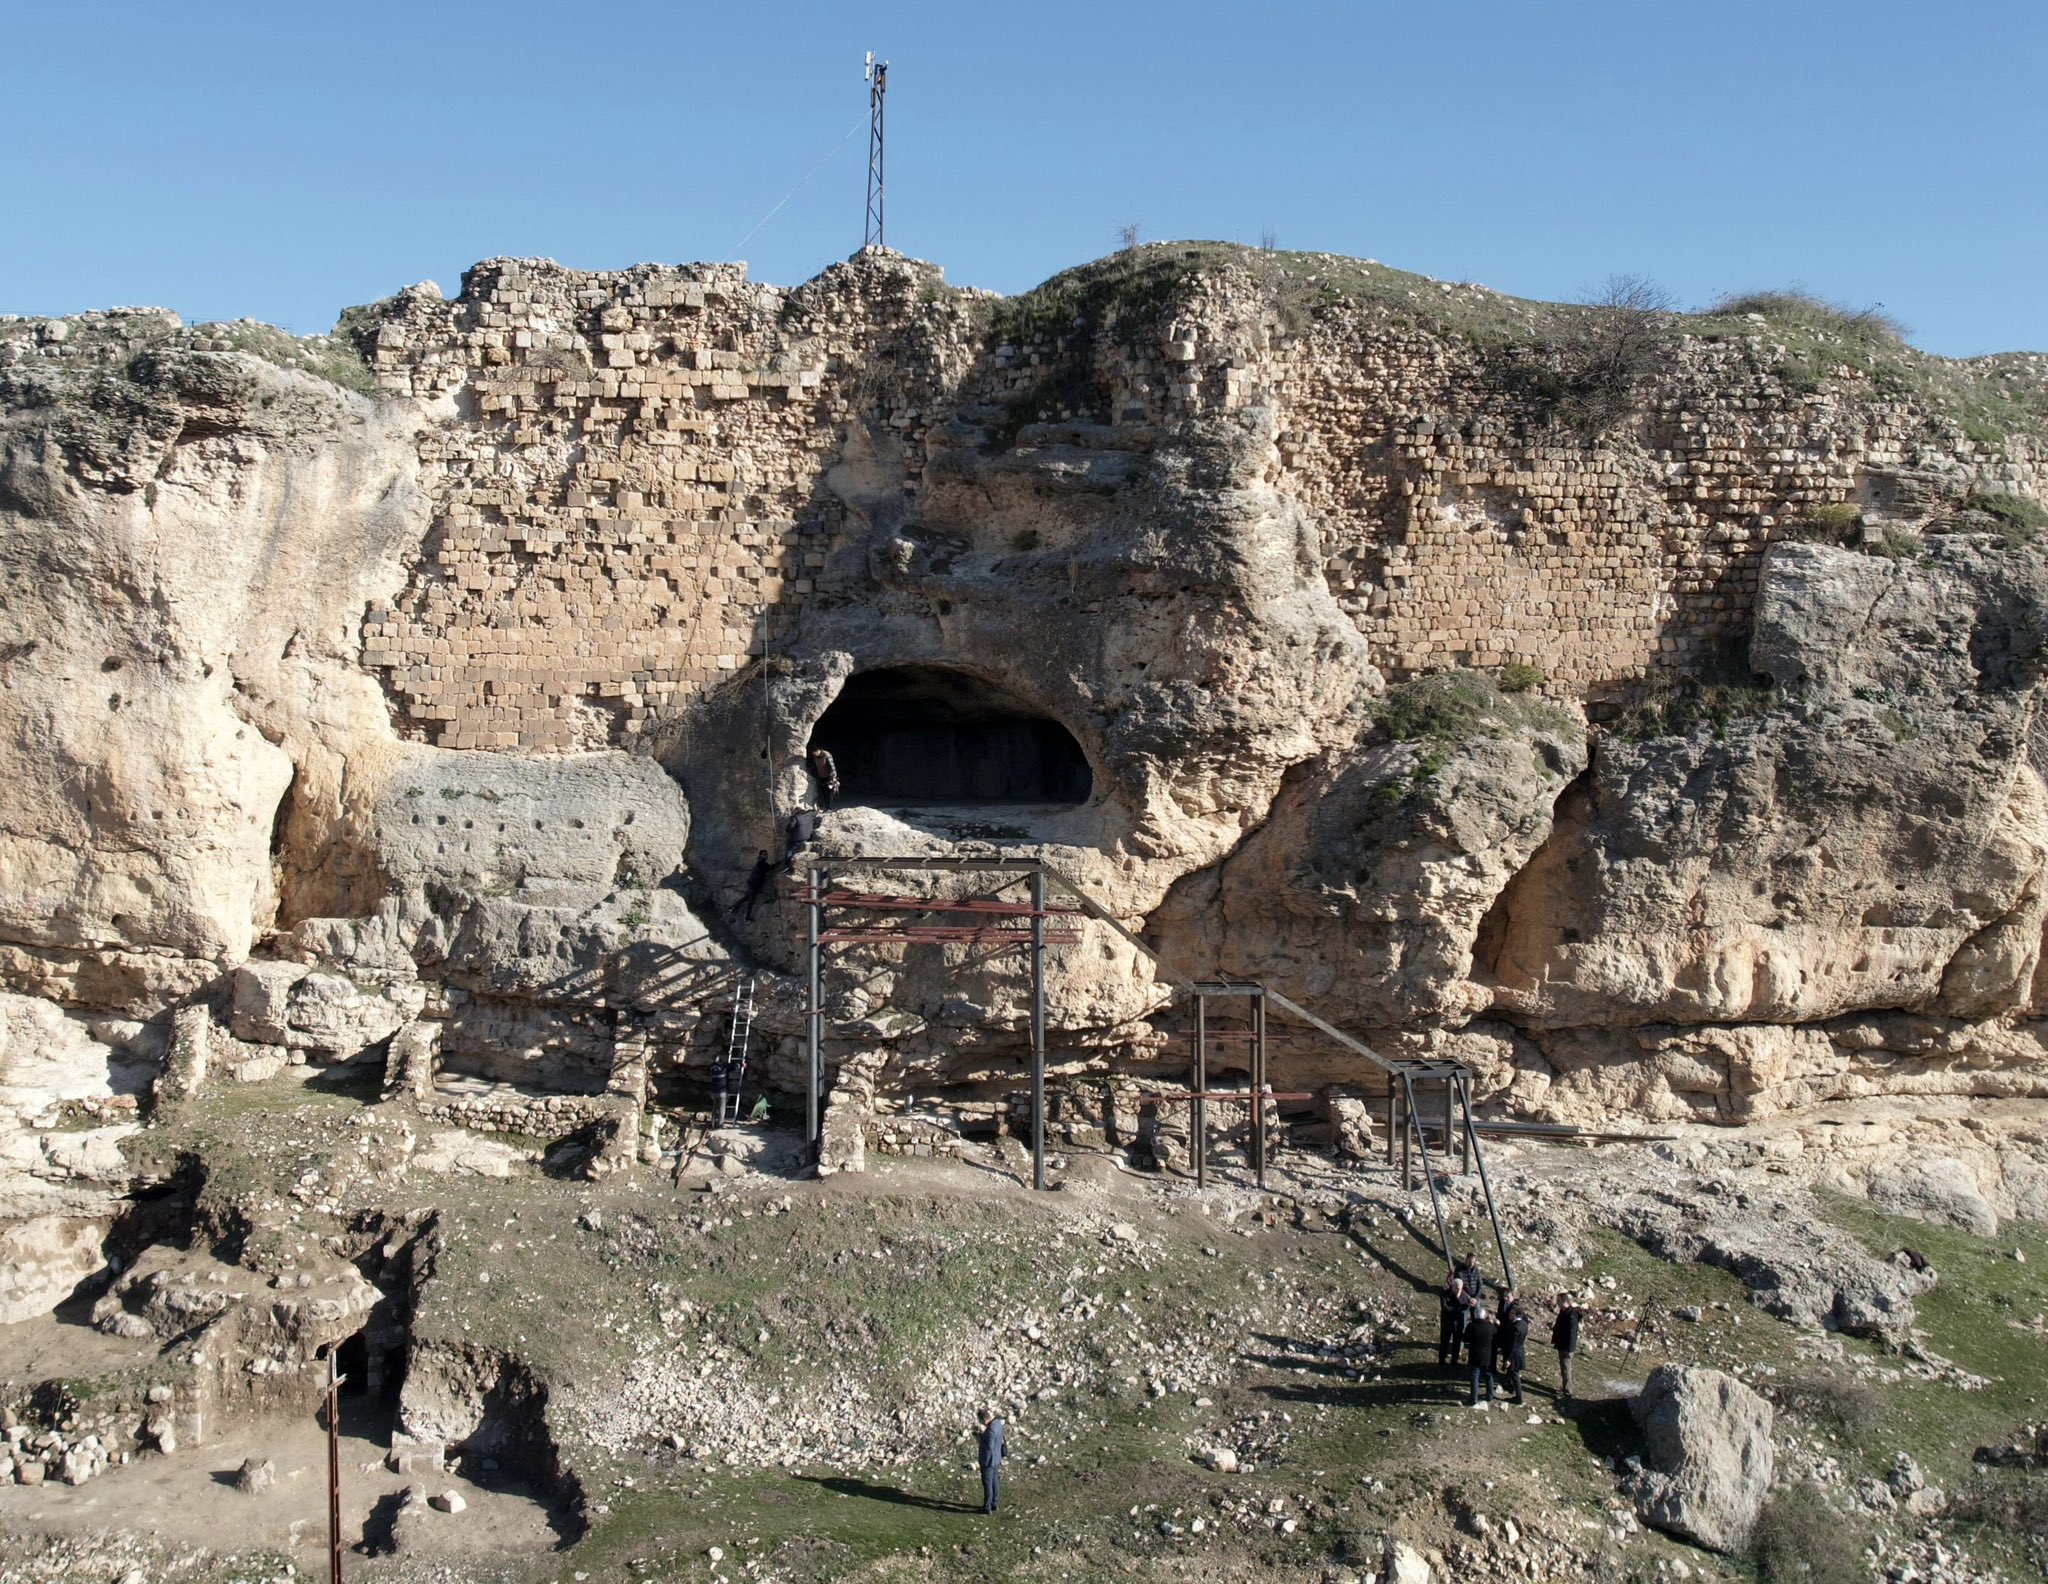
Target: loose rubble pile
{"x":703,"y":1396}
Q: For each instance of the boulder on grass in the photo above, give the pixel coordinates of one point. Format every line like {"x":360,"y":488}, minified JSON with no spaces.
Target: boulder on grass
{"x":1707,"y":1455}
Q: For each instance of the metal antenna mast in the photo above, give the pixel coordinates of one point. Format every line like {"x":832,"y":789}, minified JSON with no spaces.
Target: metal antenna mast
{"x":876,"y":74}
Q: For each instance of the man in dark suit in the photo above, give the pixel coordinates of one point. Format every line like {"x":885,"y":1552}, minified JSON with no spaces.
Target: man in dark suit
{"x":1564,"y":1336}
{"x":991,"y":1458}
{"x":1510,"y":1345}
{"x":1480,"y":1336}
{"x":1450,"y":1322}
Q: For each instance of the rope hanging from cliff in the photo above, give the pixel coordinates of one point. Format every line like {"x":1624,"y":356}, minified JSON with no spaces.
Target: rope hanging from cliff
{"x":859,"y":121}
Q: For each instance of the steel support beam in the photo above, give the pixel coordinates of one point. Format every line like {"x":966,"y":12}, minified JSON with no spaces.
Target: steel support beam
{"x":1407,"y":1157}
{"x":1429,"y":1177}
{"x":1500,"y":1242}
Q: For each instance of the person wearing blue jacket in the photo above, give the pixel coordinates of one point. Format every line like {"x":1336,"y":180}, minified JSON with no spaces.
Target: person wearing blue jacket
{"x":991,"y":1458}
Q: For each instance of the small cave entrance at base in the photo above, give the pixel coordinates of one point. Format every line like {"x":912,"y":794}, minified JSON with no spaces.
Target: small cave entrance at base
{"x":915,"y":734}
{"x":352,"y":1358}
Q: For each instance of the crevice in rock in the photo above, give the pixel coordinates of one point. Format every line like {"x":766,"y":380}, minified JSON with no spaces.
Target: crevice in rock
{"x":1520,"y":897}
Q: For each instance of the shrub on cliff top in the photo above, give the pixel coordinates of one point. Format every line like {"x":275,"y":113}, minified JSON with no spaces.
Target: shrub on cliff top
{"x":1798,"y":308}
{"x":2013,"y":510}
{"x":1599,"y":365}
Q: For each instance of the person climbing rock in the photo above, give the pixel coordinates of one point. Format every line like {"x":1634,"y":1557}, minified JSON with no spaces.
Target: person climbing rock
{"x":826,"y":769}
{"x":802,"y":826}
{"x":757,"y":881}
{"x":1564,"y":1336}
{"x":990,"y":1456}
{"x":1511,"y":1345}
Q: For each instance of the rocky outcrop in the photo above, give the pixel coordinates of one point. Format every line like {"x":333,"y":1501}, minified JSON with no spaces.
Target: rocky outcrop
{"x":68,"y":1098}
{"x":1837,"y":893}
{"x":449,"y":719}
{"x":1365,"y":888}
{"x":191,"y":535}
{"x":1707,"y":1455}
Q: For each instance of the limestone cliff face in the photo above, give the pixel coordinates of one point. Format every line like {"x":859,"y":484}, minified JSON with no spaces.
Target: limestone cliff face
{"x":479,"y":686}
{"x":189,"y":537}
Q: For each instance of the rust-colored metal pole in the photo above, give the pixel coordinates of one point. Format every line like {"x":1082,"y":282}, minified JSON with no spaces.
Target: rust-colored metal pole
{"x":1199,"y":1113}
{"x":814,"y":1012}
{"x":1259,"y":1088}
{"x":333,"y":1466}
{"x":1407,"y":1126}
{"x":1038,"y":1030}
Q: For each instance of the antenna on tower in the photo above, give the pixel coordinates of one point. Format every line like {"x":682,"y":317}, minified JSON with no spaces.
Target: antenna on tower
{"x":876,"y":74}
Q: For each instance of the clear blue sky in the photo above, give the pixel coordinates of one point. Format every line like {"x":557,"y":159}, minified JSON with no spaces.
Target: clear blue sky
{"x":285,"y":159}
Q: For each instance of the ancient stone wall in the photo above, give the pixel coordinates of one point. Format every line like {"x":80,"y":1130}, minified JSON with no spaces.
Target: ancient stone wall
{"x":626,"y":488}
{"x":632,"y":474}
{"x":1463,"y":534}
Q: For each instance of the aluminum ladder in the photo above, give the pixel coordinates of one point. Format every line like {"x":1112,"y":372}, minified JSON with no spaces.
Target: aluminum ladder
{"x":737,"y":1035}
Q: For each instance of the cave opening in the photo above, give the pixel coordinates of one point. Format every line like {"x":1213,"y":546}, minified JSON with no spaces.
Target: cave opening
{"x":922,"y":734}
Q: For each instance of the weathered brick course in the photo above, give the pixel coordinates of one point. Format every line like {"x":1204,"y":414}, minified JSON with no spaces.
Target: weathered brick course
{"x":628,"y":477}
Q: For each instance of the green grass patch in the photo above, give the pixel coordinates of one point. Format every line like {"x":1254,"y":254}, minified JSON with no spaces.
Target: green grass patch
{"x":1449,"y":707}
{"x":332,"y":358}
{"x":2010,"y":512}
{"x":1986,"y":399}
{"x":1831,"y":523}
{"x":1977,"y":1315}
{"x":1722,"y":691}
{"x":1561,"y":358}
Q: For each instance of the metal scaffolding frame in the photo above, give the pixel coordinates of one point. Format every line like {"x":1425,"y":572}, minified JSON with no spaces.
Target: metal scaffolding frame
{"x":999,"y":925}
{"x":992,"y":925}
{"x":1257,"y":1097}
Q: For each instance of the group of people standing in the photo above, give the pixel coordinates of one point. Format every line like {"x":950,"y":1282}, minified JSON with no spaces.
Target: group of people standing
{"x":1494,"y":1347}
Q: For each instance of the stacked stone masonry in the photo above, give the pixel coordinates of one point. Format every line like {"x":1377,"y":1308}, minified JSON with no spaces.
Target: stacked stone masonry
{"x":630,"y":497}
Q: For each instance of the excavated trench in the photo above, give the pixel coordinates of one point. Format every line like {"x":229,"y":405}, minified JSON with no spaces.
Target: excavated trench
{"x":243,"y":1321}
